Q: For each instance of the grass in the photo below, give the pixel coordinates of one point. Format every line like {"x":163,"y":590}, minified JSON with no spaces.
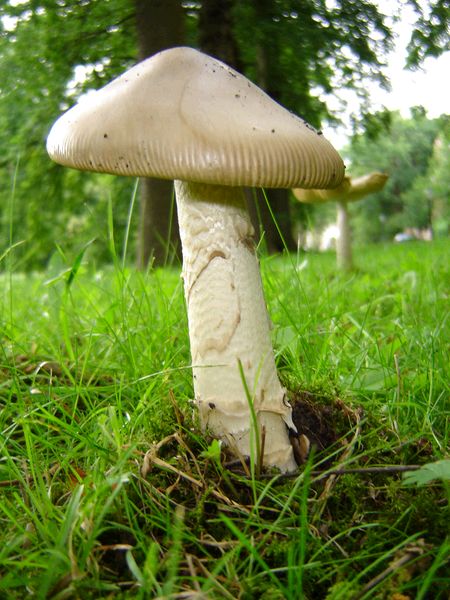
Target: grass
{"x":108,"y":490}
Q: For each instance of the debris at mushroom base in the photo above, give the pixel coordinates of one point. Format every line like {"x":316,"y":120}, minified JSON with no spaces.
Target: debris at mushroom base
{"x":323,"y":421}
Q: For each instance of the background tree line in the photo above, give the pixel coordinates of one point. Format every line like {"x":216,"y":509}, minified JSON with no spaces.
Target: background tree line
{"x":415,"y":153}
{"x":51,"y":51}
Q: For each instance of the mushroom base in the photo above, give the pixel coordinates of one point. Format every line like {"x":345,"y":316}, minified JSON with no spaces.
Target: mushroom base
{"x":236,"y":386}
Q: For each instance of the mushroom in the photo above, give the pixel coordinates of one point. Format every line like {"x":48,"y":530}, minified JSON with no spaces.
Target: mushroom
{"x":183,"y":115}
{"x":349,"y":190}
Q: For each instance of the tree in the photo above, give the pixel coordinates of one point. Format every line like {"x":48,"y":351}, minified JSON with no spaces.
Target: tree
{"x":427,"y":201}
{"x":159,"y":25}
{"x":51,"y":52}
{"x":216,"y":37}
{"x":439,"y":174}
{"x":291,"y":48}
{"x":216,"y":31}
{"x":404,"y":150}
{"x":431,"y":34}
{"x":40,"y":56}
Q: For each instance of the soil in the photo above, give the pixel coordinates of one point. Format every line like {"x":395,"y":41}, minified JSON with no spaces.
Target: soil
{"x":324,"y":422}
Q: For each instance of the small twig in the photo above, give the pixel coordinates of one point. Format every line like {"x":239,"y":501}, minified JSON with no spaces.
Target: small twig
{"x":183,"y":444}
{"x":172,"y":487}
{"x":208,"y":540}
{"x":11,"y":483}
{"x":244,"y":461}
{"x":162,"y":464}
{"x":213,"y":579}
{"x":319,"y":474}
{"x":176,"y":409}
{"x":383,"y":575}
{"x":151,"y":458}
{"x":106,"y":547}
{"x":192,"y":572}
{"x":236,"y":462}
{"x":414,"y":551}
{"x":364,"y":470}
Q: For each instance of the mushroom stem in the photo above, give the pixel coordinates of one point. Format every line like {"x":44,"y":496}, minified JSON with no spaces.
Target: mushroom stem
{"x":229,"y":324}
{"x":344,"y":242}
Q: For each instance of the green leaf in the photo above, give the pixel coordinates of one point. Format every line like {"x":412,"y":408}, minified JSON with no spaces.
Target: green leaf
{"x":212,"y":452}
{"x":428,"y":473}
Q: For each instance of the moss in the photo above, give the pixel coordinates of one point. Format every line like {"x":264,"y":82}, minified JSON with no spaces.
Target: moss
{"x":341,"y":591}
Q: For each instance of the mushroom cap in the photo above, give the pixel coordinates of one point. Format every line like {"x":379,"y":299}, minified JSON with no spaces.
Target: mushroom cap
{"x":366,"y":184}
{"x":184,"y":115}
{"x":323,"y":195}
{"x":349,"y":190}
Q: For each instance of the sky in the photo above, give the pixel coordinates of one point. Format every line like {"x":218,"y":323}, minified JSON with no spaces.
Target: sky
{"x":428,"y":86}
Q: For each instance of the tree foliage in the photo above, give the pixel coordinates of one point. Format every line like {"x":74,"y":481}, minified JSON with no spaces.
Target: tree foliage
{"x":412,"y":152}
{"x":51,"y":51}
{"x":43,"y":46}
{"x":427,"y":201}
{"x":431,"y":34}
{"x":301,"y":51}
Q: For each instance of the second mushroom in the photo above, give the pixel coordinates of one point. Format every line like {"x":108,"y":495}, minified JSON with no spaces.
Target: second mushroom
{"x":185,"y":116}
{"x":350,"y":190}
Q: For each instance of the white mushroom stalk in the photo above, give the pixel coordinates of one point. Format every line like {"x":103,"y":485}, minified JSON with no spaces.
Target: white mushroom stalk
{"x":350,"y":190}
{"x":186,"y":116}
{"x":228,"y":322}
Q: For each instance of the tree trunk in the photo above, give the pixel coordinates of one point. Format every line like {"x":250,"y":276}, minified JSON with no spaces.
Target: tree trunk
{"x":276,"y":220}
{"x":278,"y":232}
{"x":160,"y":25}
{"x":216,"y":32}
{"x":159,"y":238}
{"x":216,"y":37}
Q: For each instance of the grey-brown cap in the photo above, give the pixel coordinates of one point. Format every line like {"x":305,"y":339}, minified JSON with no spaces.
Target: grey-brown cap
{"x":184,"y":115}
